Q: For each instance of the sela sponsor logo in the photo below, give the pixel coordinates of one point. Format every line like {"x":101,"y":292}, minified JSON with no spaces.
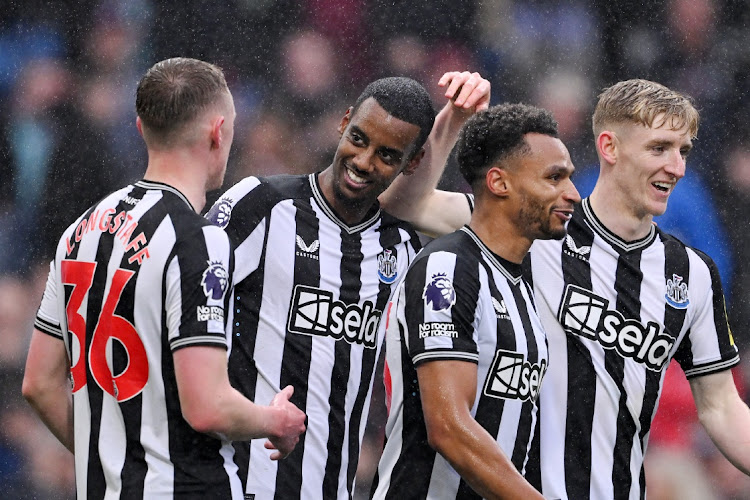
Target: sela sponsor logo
{"x":437,"y":329}
{"x":310,"y":251}
{"x":215,"y":281}
{"x":439,"y":294}
{"x":501,"y":310}
{"x":677,"y":292}
{"x":210,"y":313}
{"x":387,"y":267}
{"x":585,"y":314}
{"x":314,"y":312}
{"x":571,"y":249}
{"x":512,"y":377}
{"x":221,"y":212}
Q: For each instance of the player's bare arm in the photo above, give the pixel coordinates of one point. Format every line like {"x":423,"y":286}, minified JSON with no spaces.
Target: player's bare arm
{"x":46,"y":385}
{"x":414,"y":197}
{"x":447,"y":392}
{"x":211,"y":405}
{"x":724,"y":415}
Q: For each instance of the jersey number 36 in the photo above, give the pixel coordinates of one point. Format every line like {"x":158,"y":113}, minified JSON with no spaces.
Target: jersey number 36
{"x":131,"y":381}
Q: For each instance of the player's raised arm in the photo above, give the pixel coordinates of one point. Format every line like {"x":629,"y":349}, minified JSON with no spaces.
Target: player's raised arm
{"x":414,"y":197}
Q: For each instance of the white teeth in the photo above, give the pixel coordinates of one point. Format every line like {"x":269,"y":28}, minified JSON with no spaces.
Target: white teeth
{"x":355,"y":177}
{"x":664,"y":185}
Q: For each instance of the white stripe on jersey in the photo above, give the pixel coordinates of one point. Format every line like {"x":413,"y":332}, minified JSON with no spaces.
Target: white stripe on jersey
{"x":132,"y":233}
{"x":408,"y":464}
{"x":637,"y":275}
{"x":289,"y":245}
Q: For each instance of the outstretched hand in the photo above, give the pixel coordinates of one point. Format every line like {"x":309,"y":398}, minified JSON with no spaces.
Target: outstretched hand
{"x":468,"y":92}
{"x":290,"y":424}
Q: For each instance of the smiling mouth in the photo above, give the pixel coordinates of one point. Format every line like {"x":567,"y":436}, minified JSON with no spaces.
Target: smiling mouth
{"x":664,"y":187}
{"x":354,"y":177}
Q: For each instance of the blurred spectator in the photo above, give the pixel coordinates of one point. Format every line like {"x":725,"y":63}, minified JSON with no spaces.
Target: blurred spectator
{"x":673,"y":475}
{"x":68,"y":70}
{"x":32,"y":134}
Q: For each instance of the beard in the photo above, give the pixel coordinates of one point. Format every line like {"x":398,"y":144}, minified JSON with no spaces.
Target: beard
{"x":538,"y":219}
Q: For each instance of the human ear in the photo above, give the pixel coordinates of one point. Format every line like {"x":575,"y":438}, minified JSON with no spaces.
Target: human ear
{"x":606,"y":146}
{"x":345,"y":120}
{"x":497,"y":182}
{"x":216,"y":135}
{"x":411,"y":167}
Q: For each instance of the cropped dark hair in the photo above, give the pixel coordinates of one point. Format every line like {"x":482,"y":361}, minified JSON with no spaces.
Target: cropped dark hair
{"x":405,"y":99}
{"x":175,"y":91}
{"x":492,"y":135}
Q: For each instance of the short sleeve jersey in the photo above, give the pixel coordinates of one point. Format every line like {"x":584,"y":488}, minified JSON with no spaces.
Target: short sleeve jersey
{"x":136,"y":277}
{"x":616,"y":312}
{"x":309,"y":293}
{"x":460,"y":301}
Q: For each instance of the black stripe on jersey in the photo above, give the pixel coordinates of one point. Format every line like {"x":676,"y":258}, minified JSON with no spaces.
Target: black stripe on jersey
{"x":628,"y":279}
{"x":96,"y":484}
{"x":243,"y":373}
{"x":298,"y":347}
{"x":524,"y":424}
{"x":200,"y":461}
{"x":676,"y":261}
{"x":416,"y":468}
{"x":351,"y":285}
{"x":50,"y":329}
{"x":490,"y":410}
{"x":581,"y":375}
{"x":248,"y":295}
{"x":389,"y":236}
{"x":133,"y":473}
{"x":413,"y":470}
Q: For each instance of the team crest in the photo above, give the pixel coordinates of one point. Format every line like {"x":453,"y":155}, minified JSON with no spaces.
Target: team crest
{"x":387,"y":267}
{"x":439,"y":293}
{"x":677,"y":292}
{"x":221,"y":212}
{"x":580,"y":252}
{"x":215,"y":280}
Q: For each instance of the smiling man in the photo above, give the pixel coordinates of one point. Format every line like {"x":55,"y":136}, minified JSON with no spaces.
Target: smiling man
{"x":619,"y":299}
{"x":316,"y":260}
{"x":466,"y":352}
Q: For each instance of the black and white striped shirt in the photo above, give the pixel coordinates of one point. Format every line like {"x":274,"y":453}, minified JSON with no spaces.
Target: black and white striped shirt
{"x":136,"y":277}
{"x":616,"y":313}
{"x":310,"y":291}
{"x":460,"y":301}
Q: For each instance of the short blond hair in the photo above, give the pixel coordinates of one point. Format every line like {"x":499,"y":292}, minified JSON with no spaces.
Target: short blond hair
{"x":641,"y":102}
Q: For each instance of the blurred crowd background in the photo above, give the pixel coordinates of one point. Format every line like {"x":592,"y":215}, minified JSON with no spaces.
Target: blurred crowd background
{"x":69,"y":68}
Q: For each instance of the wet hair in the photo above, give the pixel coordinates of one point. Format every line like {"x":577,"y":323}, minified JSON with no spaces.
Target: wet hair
{"x":405,"y":99}
{"x":642,"y":102}
{"x":494,"y":135}
{"x":174,"y":92}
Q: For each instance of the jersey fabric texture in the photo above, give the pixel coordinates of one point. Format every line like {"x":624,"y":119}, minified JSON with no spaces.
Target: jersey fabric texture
{"x":310,"y":291}
{"x":460,"y":301}
{"x":616,"y":313}
{"x":136,"y":277}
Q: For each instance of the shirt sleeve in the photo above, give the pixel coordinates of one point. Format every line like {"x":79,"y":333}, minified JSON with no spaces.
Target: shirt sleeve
{"x":47,"y":317}
{"x":709,"y":345}
{"x":198,"y":283}
{"x":438,"y":306}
